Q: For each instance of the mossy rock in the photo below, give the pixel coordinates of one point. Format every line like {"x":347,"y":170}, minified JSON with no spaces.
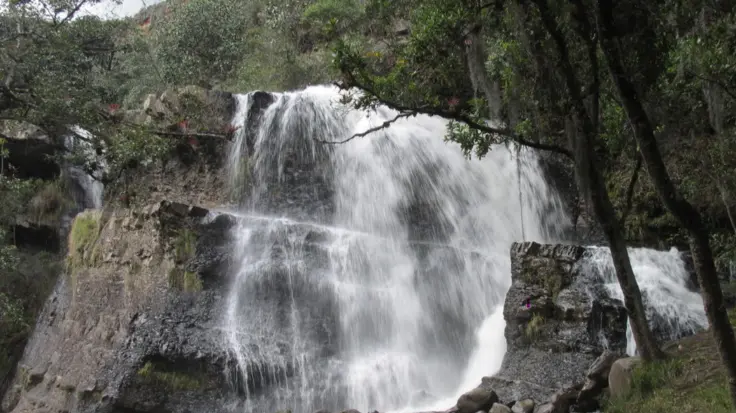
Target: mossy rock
{"x":547,"y":274}
{"x":161,"y":374}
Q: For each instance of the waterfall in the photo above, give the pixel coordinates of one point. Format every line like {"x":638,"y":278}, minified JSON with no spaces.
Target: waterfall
{"x":89,"y":185}
{"x":371,"y":270}
{"x":371,"y":274}
{"x":673,"y":310}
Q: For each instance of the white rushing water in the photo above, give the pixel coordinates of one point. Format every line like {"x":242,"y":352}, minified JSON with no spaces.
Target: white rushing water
{"x":372,"y":274}
{"x":402,"y":313}
{"x":672,"y":309}
{"x":89,"y":184}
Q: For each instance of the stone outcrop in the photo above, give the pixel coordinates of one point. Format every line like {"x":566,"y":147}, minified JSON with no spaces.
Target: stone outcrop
{"x":556,"y":325}
{"x":128,"y":327}
{"x":620,"y":376}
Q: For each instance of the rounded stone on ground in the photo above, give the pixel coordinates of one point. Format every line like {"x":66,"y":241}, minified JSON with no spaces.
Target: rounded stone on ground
{"x":619,"y":378}
{"x":523,"y":406}
{"x":499,"y":408}
{"x":476,"y":400}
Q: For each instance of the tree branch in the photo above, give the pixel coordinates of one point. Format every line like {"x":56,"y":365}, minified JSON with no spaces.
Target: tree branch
{"x":72,"y":12}
{"x":188,"y":134}
{"x":454,"y":116}
{"x":630,"y":191}
{"x":367,"y":132}
{"x":715,"y":82}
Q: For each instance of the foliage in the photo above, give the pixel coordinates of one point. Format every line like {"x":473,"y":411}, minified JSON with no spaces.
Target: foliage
{"x":193,"y":49}
{"x":17,"y":194}
{"x":335,"y":17}
{"x":692,"y":381}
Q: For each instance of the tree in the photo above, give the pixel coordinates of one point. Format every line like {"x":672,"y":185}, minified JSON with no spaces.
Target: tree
{"x":688,"y":217}
{"x":539,"y":57}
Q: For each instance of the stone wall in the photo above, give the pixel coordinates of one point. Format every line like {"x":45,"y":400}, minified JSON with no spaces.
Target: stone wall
{"x":126,"y":328}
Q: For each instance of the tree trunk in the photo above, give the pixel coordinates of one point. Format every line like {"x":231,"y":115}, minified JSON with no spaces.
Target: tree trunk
{"x":683,"y":211}
{"x":593,"y":185}
{"x":591,"y":181}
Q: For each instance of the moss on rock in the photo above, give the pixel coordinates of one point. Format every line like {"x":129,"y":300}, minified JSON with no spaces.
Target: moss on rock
{"x":157,"y":374}
{"x":83,"y":236}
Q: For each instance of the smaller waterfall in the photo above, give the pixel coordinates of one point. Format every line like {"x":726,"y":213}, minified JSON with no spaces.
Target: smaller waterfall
{"x":89,"y":184}
{"x":672,"y":309}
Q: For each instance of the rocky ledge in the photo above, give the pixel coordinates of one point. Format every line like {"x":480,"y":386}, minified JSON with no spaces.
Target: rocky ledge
{"x":128,"y":326}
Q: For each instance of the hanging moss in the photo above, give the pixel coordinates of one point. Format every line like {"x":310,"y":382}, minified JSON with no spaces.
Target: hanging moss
{"x":82,"y":240}
{"x":184,"y":280}
{"x":154,"y":373}
{"x":534,"y":327}
{"x":185,"y":245}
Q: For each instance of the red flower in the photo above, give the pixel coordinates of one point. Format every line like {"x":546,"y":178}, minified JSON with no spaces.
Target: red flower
{"x":113,"y":107}
{"x":453,"y":101}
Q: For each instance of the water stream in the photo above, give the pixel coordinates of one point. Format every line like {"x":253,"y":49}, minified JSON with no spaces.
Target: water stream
{"x":372,"y":273}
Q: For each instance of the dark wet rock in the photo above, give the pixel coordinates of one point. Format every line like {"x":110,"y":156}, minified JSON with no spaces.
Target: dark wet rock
{"x":479,"y":399}
{"x":596,"y":379}
{"x":556,"y":323}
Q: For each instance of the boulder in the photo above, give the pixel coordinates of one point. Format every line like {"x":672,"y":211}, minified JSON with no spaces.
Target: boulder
{"x":565,"y":398}
{"x":499,"y":408}
{"x":557,"y":322}
{"x":545,"y":408}
{"x":523,"y":406}
{"x":479,"y":399}
{"x":619,"y":378}
{"x":596,"y":380}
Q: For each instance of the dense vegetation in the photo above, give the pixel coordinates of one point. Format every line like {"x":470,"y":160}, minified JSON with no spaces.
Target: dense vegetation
{"x":550,"y":74}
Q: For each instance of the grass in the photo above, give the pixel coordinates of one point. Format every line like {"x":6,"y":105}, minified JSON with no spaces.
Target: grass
{"x":82,"y":238}
{"x":692,"y":380}
{"x":153,"y":373}
{"x":534,"y":327}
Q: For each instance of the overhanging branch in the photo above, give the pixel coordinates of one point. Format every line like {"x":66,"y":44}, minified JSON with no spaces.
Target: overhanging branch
{"x":189,"y":134}
{"x":367,"y":132}
{"x":457,"y":117}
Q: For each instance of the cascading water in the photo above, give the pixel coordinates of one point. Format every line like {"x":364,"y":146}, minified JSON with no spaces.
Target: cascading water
{"x":89,"y":185}
{"x":394,"y":252}
{"x":673,"y":309}
{"x":372,"y":273}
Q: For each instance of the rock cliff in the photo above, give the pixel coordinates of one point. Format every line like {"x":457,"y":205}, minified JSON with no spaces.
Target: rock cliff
{"x":557,"y":323}
{"x":128,"y":328}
